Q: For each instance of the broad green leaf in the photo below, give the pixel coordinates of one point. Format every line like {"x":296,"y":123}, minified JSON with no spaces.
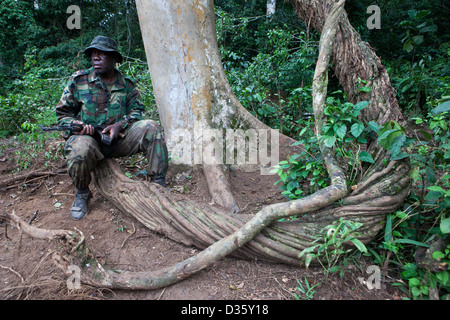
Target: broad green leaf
{"x":362,"y":140}
{"x":397,"y":144}
{"x":357,"y":129}
{"x":365,"y":157}
{"x":425,"y":134}
{"x":374,"y":126}
{"x":443,"y":107}
{"x":414,"y":282}
{"x":303,"y":131}
{"x":362,"y":104}
{"x":443,"y":277}
{"x":292,"y":185}
{"x":361,"y":247}
{"x":388,"y":229}
{"x":436,"y":188}
{"x":432,"y":28}
{"x":416,"y":292}
{"x":424,"y":289}
{"x":418,"y":39}
{"x":408,"y":47}
{"x":445,"y":225}
{"x":385,"y":139}
{"x":422,"y":13}
{"x":410,"y":270}
{"x":415,"y":174}
{"x":433,"y":195}
{"x":409,"y":241}
{"x":340,"y":129}
{"x":431,"y":175}
{"x":329,"y":141}
{"x":438,"y":255}
{"x":334,"y":269}
{"x":326,"y":127}
{"x":365,"y":89}
{"x":399,"y":156}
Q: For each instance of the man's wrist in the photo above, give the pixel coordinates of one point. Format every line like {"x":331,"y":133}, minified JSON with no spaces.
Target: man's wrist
{"x":122,"y":124}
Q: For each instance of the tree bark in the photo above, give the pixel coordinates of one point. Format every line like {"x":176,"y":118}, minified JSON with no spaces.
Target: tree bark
{"x":355,"y":61}
{"x":192,"y":92}
{"x":271,"y":7}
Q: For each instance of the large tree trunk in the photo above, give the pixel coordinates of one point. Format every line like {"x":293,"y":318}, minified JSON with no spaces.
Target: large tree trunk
{"x":355,"y":64}
{"x":192,"y":91}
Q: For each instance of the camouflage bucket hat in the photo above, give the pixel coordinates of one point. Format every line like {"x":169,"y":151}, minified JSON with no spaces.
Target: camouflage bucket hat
{"x":104,"y":44}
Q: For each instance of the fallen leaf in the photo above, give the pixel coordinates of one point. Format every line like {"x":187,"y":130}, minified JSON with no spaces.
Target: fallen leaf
{"x":239,"y":286}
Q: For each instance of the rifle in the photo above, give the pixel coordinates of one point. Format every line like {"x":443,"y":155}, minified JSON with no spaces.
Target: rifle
{"x":77,"y":127}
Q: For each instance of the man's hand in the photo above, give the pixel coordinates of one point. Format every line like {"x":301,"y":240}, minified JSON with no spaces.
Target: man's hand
{"x":114,"y":130}
{"x":87,"y":129}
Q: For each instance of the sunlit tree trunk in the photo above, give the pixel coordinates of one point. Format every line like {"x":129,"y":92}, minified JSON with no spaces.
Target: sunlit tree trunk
{"x":193,"y":95}
{"x":271,"y":7}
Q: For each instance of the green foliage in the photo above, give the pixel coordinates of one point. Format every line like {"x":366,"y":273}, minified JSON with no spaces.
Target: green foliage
{"x":138,"y":70}
{"x":306,"y":292}
{"x":416,"y":29}
{"x":343,"y":131}
{"x":331,"y":244}
{"x":271,"y":74}
{"x":425,"y":216}
{"x":424,"y":283}
{"x":342,"y":124}
{"x":427,"y":18}
{"x":306,"y":166}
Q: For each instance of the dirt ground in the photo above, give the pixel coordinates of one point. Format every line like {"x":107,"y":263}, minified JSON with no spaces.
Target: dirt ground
{"x":27,"y":271}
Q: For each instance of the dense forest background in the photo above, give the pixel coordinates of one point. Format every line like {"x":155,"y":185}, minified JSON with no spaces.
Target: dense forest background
{"x":270,"y":62}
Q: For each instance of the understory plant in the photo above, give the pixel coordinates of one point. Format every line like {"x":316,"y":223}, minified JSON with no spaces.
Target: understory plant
{"x":424,"y":219}
{"x":342,"y":131}
{"x":331,"y":244}
{"x":306,"y":291}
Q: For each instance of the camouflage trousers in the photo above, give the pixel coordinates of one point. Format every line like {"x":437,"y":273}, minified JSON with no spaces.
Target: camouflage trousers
{"x":83,"y":152}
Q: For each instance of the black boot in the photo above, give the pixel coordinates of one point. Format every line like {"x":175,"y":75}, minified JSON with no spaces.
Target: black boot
{"x":160,"y":181}
{"x":80,"y":204}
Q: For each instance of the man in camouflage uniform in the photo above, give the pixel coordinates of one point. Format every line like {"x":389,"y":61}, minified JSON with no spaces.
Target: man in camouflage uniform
{"x":101,"y":95}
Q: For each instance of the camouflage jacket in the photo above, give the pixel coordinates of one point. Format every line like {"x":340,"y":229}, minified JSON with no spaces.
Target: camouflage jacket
{"x":87,"y":98}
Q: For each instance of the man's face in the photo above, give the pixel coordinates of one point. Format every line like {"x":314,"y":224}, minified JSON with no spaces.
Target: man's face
{"x":103,"y":62}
